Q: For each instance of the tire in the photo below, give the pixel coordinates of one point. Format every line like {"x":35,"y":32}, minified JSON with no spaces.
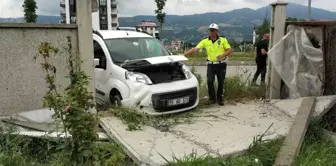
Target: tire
{"x":116,"y":100}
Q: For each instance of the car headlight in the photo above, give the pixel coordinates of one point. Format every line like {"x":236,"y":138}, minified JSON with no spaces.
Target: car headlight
{"x":187,"y":71}
{"x":138,"y":77}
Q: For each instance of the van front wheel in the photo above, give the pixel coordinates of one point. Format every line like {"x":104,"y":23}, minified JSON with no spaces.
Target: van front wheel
{"x":116,"y":100}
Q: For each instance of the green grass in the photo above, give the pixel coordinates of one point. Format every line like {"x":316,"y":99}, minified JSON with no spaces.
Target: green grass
{"x":135,"y":120}
{"x":16,"y":150}
{"x":235,"y":56}
{"x":236,"y":88}
{"x":315,"y":151}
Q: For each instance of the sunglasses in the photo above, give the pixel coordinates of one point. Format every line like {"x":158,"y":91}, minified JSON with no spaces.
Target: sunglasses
{"x":212,"y":30}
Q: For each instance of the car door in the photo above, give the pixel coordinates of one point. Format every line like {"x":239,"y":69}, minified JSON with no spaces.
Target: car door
{"x":101,"y":76}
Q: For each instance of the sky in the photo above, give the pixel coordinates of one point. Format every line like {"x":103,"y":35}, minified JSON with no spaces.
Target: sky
{"x":13,"y":8}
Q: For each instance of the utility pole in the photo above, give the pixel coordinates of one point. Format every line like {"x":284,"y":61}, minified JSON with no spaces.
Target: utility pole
{"x":309,"y":10}
{"x":277,"y":31}
{"x":85,"y":46}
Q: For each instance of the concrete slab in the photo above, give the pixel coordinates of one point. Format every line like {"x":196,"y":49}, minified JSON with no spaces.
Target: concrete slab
{"x":227,"y":130}
{"x":294,"y":138}
{"x":39,"y":123}
{"x":216,"y":131}
{"x":145,"y":146}
{"x":41,"y":115}
{"x":291,"y":106}
{"x":46,"y":127}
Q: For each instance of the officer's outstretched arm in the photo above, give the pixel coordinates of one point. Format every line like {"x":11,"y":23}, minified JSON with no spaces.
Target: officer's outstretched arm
{"x":193,"y":50}
{"x":199,"y":46}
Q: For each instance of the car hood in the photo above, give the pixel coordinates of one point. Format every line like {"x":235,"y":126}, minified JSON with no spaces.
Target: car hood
{"x":156,"y":60}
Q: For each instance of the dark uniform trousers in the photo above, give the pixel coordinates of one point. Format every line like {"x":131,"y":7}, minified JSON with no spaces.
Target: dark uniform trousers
{"x":261,"y":69}
{"x":218,"y":70}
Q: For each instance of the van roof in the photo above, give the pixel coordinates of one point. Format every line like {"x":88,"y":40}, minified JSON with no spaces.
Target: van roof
{"x":114,"y":34}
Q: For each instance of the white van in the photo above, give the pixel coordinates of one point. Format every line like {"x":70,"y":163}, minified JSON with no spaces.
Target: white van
{"x":135,"y":70}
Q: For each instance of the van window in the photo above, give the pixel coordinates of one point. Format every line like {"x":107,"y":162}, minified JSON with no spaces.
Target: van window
{"x":99,"y":53}
{"x":124,"y":49}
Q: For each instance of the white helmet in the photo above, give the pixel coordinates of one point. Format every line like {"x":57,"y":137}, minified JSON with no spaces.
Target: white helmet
{"x":213,"y":26}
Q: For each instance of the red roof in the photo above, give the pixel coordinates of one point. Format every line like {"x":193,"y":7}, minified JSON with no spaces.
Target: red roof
{"x":147,"y":24}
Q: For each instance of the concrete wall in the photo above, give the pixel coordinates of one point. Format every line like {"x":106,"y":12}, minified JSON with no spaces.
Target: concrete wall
{"x":22,"y":84}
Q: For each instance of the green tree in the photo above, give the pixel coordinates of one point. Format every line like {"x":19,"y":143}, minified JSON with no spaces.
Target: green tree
{"x":263,"y":28}
{"x":291,"y":19}
{"x":160,"y":15}
{"x":29,"y":8}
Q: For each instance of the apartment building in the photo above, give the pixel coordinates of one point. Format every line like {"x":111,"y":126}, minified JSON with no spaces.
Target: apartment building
{"x":149,"y":26}
{"x":104,"y":15}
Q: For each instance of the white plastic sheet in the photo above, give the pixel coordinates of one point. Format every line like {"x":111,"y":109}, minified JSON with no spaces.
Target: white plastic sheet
{"x":299,"y":64}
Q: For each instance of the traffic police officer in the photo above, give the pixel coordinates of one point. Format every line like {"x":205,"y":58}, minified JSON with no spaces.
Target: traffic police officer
{"x":217,"y":49}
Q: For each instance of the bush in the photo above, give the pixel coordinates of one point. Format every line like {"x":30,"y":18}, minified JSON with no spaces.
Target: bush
{"x":236,"y":88}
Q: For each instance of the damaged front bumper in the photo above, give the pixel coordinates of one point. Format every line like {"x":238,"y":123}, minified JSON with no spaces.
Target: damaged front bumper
{"x":153,"y":99}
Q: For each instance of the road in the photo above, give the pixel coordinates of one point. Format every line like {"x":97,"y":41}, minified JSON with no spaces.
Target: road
{"x":246,"y":72}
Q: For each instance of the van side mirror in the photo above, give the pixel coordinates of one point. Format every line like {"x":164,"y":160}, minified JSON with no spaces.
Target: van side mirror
{"x":96,"y":62}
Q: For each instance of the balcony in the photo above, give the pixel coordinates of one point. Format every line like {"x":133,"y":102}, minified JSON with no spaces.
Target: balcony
{"x":115,"y":24}
{"x":115,"y":21}
{"x":63,"y":14}
{"x":103,"y":21}
{"x":62,"y":4}
{"x":113,"y":15}
{"x":114,"y":4}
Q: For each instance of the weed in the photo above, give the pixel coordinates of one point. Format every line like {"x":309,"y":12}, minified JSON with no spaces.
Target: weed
{"x":132,"y":118}
{"x":236,"y":89}
{"x":316,"y":150}
{"x":136,"y":120}
{"x":25,"y":151}
{"x":198,"y":76}
{"x":72,"y":108}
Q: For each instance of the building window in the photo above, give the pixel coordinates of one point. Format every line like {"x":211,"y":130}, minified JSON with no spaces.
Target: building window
{"x":73,"y":19}
{"x":103,"y":20}
{"x":103,"y":11}
{"x":102,"y":2}
{"x":103,"y":27}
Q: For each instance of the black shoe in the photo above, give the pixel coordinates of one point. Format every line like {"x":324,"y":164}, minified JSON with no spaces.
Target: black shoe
{"x":221,"y":103}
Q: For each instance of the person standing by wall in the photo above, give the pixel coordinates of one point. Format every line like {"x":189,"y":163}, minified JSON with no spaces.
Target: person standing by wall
{"x":261,"y":59}
{"x":217,"y":49}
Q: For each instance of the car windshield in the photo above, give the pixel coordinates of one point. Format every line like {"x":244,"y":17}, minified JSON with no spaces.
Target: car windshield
{"x":127,"y":49}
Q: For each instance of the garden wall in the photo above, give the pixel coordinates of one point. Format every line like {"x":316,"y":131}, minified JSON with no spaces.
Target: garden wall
{"x":22,"y":84}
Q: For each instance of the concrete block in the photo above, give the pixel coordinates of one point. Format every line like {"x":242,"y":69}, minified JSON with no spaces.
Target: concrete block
{"x":23,"y":85}
{"x":291,"y":106}
{"x":294,"y":139}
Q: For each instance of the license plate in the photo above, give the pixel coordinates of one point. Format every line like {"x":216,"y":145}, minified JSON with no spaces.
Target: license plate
{"x":178,"y":101}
